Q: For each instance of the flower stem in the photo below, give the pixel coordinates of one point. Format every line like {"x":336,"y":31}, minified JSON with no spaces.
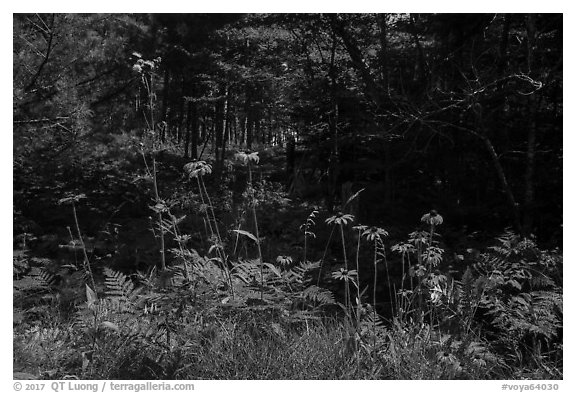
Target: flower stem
{"x":347,"y":285}
{"x":86,"y":260}
{"x":257,"y":232}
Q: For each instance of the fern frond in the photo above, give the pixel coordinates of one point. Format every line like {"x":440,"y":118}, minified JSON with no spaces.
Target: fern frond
{"x":247,"y":271}
{"x":318,"y":295}
{"x":119,"y":286}
{"x":37,"y":280}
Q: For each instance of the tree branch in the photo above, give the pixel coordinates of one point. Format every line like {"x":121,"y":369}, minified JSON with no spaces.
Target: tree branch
{"x":46,"y":57}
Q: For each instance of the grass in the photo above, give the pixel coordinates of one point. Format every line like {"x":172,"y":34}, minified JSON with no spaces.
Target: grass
{"x":248,"y":344}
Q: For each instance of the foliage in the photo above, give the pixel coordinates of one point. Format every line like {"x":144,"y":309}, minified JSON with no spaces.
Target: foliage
{"x":521,"y":297}
{"x":178,"y":180}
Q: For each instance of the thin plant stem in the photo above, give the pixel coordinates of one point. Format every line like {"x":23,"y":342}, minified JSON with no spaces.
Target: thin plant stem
{"x":206,"y":230}
{"x":305,"y":243}
{"x":240,"y":221}
{"x":211,"y":210}
{"x":176,"y":234}
{"x":387,"y":275}
{"x":202,"y":189}
{"x":160,"y":225}
{"x":347,"y":285}
{"x":324,"y":256}
{"x":257,"y":232}
{"x":151,"y":126}
{"x":204,"y":203}
{"x":83,"y":246}
{"x":374,"y":294}
{"x":72,"y":239}
{"x":401,"y":308}
{"x":409,"y":267}
{"x":358,"y":301}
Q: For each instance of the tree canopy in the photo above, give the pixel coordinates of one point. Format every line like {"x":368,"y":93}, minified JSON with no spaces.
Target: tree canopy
{"x":459,"y":112}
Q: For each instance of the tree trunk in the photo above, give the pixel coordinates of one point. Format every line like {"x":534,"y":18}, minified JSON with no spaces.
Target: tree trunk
{"x":372,"y":90}
{"x":249,"y":128}
{"x":191,"y":131}
{"x":181,"y":107}
{"x":188,"y":125}
{"x":383,"y":55}
{"x":225,"y":126}
{"x":388,"y":162}
{"x":258,"y":129}
{"x":503,"y":180}
{"x":203,"y":129}
{"x":165,"y":91}
{"x":194,"y":131}
{"x":242,"y":136}
{"x":529,"y":199}
{"x":334,"y":160}
{"x":420,"y":70}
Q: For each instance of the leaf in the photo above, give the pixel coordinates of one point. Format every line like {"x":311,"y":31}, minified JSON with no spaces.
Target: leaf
{"x":515,"y":284}
{"x":110,"y":325}
{"x":71,"y":199}
{"x":91,"y":297}
{"x":245,"y":233}
{"x":274,"y":269}
{"x":353,"y":197}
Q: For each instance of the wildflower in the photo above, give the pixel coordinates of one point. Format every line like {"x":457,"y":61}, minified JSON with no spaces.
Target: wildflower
{"x":344,"y":274}
{"x":432,"y":218}
{"x":403,"y":248}
{"x":340,"y":219}
{"x":284,"y":260}
{"x":374,"y":233}
{"x":436,"y":293}
{"x":445,"y":357}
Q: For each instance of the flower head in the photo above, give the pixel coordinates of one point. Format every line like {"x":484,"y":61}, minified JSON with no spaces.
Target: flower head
{"x":432,"y":218}
{"x":446,"y":358}
{"x":374,"y":233}
{"x":340,"y":219}
{"x":344,"y":274}
{"x":284,"y":260}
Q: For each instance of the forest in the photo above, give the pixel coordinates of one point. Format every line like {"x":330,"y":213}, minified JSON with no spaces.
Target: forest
{"x":287,"y":196}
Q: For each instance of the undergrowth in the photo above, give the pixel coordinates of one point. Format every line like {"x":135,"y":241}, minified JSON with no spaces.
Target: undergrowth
{"x":222,"y":308}
{"x":273,"y":320}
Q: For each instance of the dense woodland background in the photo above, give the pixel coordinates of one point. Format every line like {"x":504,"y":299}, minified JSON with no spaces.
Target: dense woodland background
{"x":383,"y":118}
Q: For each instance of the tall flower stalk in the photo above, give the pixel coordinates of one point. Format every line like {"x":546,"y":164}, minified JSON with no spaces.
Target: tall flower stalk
{"x":72,"y":200}
{"x":341,"y":220}
{"x":306,"y":228}
{"x":360,"y":229}
{"x":249,"y":159}
{"x":197,"y":170}
{"x":145,"y":68}
{"x":375,"y":234}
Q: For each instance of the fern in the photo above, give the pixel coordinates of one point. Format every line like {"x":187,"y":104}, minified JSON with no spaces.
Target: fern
{"x":318,"y":295}
{"x":119,"y":286}
{"x":247,"y":271}
{"x":38,"y":279}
